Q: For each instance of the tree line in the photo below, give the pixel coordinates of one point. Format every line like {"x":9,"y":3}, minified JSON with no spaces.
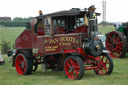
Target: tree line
{"x":16,"y":22}
{"x":105,"y":23}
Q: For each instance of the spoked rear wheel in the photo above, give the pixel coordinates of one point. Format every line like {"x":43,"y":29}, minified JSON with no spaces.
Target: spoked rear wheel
{"x":105,"y":65}
{"x":23,"y":64}
{"x":74,"y":67}
{"x":116,"y":43}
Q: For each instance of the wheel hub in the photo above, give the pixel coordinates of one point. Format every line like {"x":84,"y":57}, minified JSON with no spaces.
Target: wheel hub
{"x":114,"y":45}
{"x":101,"y":65}
{"x":71,"y":68}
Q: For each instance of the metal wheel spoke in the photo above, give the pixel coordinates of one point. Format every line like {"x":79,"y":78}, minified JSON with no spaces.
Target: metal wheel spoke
{"x":119,"y":47}
{"x":106,"y":68}
{"x":109,"y":44}
{"x":117,"y":38}
{"x":77,"y":67}
{"x":114,"y":36}
{"x":118,"y":52}
{"x":102,"y":59}
{"x":69,"y":66}
{"x":72,"y":63}
{"x":76,"y":70}
{"x":110,"y":48}
{"x":72,"y":75}
{"x":118,"y":43}
{"x":76,"y":73}
{"x":110,"y":37}
{"x":106,"y":62}
{"x":19,"y":61}
{"x":113,"y":39}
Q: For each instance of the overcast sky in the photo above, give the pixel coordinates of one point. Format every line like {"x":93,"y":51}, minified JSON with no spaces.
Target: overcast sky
{"x":116,"y":9}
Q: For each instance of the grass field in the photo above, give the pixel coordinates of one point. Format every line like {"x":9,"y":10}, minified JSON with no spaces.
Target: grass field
{"x":9,"y":34}
{"x":9,"y":76}
{"x":106,"y":29}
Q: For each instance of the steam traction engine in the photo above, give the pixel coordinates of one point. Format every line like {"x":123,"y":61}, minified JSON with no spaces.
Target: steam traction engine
{"x":64,"y":40}
{"x":116,"y":41}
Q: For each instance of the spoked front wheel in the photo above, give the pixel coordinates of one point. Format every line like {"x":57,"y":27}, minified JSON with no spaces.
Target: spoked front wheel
{"x":105,"y":65}
{"x":23,"y":64}
{"x":74,"y":67}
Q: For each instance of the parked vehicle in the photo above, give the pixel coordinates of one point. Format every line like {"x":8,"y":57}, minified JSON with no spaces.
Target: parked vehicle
{"x":65,"y":40}
{"x":1,"y":59}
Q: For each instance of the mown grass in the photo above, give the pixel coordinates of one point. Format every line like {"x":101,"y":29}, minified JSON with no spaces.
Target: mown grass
{"x":9,"y":76}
